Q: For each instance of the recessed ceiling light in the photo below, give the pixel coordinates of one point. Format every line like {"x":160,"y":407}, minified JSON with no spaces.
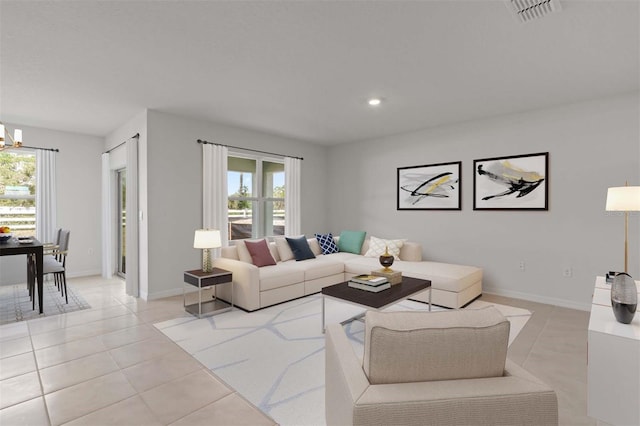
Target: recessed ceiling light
{"x":374,"y":101}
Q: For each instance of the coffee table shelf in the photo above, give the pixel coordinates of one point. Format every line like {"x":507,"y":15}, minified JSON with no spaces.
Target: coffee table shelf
{"x":370,"y":300}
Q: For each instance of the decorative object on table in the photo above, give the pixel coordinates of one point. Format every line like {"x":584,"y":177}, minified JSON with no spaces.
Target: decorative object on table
{"x":610,"y":276}
{"x":429,"y":187}
{"x":624,"y":298}
{"x":368,"y":279}
{"x":370,"y":283}
{"x":370,"y":288}
{"x":386,"y":260}
{"x":206,"y":239}
{"x":517,"y":182}
{"x":624,"y":199}
{"x":394,"y":277}
{"x":5,"y":234}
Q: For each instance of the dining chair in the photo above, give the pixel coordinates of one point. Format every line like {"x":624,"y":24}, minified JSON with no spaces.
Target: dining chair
{"x":56,"y":263}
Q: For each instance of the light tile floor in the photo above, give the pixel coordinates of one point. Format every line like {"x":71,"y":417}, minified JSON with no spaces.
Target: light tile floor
{"x":109,"y":366}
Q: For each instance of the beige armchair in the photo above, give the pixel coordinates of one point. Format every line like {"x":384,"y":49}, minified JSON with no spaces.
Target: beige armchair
{"x":440,"y":368}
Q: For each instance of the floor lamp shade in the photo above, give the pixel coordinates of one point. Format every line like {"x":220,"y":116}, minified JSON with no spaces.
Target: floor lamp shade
{"x":206,"y":239}
{"x":624,"y":199}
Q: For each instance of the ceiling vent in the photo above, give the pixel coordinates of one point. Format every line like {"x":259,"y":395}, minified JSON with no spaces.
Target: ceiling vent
{"x":528,"y":10}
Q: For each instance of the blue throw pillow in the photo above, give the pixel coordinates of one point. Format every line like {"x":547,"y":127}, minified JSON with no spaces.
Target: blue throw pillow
{"x":351,"y":241}
{"x":327,"y":244}
{"x":300,"y":248}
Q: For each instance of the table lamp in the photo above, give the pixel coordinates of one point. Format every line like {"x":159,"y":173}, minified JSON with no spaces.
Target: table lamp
{"x":624,"y":199}
{"x":206,"y":239}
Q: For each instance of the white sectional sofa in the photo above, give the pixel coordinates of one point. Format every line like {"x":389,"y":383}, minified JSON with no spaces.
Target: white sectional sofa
{"x":452,"y":286}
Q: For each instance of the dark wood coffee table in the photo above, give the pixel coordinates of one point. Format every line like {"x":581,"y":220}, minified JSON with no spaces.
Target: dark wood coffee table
{"x":376,"y":301}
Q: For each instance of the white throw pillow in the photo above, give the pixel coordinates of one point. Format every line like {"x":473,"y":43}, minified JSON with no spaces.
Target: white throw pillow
{"x":377,"y":247}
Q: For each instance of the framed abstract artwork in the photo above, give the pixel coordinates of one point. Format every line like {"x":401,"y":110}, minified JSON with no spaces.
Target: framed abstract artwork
{"x":429,"y":187}
{"x":517,"y":182}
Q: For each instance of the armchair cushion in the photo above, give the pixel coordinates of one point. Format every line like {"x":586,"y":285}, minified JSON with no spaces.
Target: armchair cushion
{"x":402,"y":347}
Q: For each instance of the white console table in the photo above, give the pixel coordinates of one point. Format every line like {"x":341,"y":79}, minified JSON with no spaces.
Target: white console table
{"x":613,"y":362}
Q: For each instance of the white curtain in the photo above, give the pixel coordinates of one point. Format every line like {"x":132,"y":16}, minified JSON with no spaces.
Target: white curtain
{"x":131,"y":239}
{"x":292,"y":195}
{"x":107,"y":215}
{"x":46,"y":206}
{"x":214,"y":186}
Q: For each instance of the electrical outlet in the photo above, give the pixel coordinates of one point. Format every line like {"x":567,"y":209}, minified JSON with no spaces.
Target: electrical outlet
{"x":522,"y":266}
{"x":567,"y":272}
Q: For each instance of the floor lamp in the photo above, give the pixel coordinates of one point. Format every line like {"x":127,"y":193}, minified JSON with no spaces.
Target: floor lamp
{"x":624,"y":199}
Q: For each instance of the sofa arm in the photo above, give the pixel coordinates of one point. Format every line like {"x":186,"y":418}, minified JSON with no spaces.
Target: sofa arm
{"x":246,"y":283}
{"x":345,"y":380}
{"x":516,"y":398}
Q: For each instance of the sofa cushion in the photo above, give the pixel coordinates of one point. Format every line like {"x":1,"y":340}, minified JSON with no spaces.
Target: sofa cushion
{"x":284,"y":249}
{"x":327,"y":243}
{"x":321,"y":267}
{"x":402,"y":347}
{"x":300,"y":248}
{"x":243,"y":254}
{"x":280,"y":275}
{"x":443,"y":276}
{"x":378,"y":246}
{"x":351,"y":241}
{"x":260,"y":254}
{"x":315,"y":247}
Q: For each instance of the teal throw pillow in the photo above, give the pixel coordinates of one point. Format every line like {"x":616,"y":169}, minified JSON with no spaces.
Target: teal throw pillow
{"x":351,"y":241}
{"x":300,"y":248}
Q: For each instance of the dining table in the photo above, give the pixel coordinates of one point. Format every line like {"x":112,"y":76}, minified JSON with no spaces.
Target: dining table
{"x":32,"y":248}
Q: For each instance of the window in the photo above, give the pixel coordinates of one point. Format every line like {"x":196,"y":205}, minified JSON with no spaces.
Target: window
{"x":256,"y":197}
{"x":17,"y":191}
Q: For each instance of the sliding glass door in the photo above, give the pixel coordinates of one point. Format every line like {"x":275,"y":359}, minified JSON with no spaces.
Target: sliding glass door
{"x":122,"y":222}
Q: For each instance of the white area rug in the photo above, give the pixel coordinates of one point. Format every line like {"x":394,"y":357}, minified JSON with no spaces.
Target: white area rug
{"x":275,"y":357}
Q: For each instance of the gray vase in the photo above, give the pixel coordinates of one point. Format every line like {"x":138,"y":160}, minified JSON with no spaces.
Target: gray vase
{"x":624,"y":298}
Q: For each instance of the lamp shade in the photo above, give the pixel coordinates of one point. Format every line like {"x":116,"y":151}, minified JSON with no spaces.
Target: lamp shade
{"x":206,"y":239}
{"x":623,"y":199}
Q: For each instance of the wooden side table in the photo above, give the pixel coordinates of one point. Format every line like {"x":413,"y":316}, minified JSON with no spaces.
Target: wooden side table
{"x":201,"y":279}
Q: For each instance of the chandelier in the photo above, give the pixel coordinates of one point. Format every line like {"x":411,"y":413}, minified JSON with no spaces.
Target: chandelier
{"x":16,"y":139}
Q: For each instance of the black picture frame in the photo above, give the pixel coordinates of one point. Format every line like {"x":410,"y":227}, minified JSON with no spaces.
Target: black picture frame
{"x":515,"y":182}
{"x":430,"y":187}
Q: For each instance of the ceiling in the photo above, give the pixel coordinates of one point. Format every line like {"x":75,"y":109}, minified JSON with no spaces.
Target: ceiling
{"x":304,"y":69}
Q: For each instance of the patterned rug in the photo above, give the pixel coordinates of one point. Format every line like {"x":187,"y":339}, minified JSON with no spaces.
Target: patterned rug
{"x":275,"y":357}
{"x":15,"y":304}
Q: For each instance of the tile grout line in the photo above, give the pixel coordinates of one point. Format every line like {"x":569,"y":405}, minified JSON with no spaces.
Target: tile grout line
{"x":35,"y":360}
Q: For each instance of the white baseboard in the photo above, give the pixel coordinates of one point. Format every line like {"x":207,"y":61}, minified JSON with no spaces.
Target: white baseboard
{"x":86,"y":273}
{"x":537,"y":298}
{"x":163,"y":294}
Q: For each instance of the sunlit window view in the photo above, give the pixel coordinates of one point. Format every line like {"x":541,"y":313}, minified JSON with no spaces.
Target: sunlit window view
{"x":256,"y":198}
{"x":18,"y":192}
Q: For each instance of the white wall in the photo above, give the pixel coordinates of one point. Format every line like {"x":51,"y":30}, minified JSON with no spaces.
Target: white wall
{"x":137,"y":124}
{"x":78,"y":189}
{"x":592,"y":146}
{"x":175,"y":190}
